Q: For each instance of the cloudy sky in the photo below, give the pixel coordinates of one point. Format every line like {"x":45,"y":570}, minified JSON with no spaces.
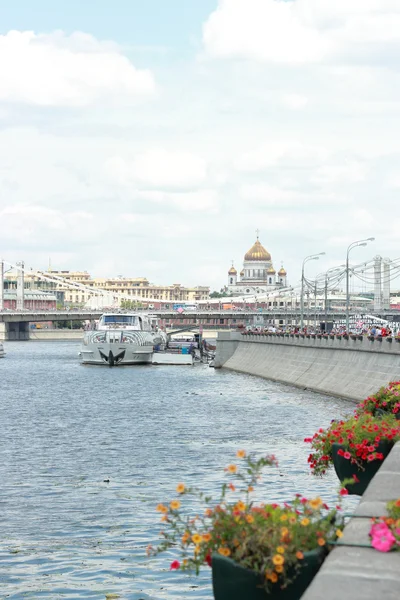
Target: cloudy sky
{"x":152,"y":138}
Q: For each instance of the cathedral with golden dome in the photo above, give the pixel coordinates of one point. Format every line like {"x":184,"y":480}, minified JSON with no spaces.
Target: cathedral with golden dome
{"x":258,"y":274}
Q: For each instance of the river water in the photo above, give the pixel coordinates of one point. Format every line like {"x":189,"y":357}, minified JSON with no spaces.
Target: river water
{"x":65,"y":532}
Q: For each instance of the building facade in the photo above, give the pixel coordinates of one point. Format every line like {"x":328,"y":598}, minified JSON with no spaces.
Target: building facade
{"x":258,"y":274}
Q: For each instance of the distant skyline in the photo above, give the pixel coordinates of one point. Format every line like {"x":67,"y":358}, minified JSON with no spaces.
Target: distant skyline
{"x":153,"y":138}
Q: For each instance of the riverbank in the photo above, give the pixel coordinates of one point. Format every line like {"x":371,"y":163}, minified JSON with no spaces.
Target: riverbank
{"x":351,"y":369}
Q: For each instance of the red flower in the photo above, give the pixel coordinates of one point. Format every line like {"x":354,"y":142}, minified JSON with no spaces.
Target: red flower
{"x":174,"y":565}
{"x":347,"y":455}
{"x":208,"y":559}
{"x":343,"y":492}
{"x":356,"y":480}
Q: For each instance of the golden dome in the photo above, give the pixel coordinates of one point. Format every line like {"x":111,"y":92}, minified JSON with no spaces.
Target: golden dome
{"x":282,"y":271}
{"x":242,"y":273}
{"x":257,"y":252}
{"x":271,"y":270}
{"x":232,"y":271}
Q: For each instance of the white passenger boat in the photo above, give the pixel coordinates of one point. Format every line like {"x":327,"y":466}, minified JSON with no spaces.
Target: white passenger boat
{"x":2,"y":353}
{"x":122,"y":339}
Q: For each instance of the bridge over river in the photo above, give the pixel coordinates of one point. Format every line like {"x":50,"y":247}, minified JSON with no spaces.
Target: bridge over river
{"x":14,"y":325}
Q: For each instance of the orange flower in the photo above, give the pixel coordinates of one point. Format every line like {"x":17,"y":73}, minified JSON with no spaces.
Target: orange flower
{"x":175,"y":505}
{"x":208,"y":512}
{"x":236,"y":542}
{"x":241,"y":453}
{"x":206,"y":537}
{"x":299,"y":555}
{"x":305,"y":522}
{"x":240,"y":506}
{"x":321,"y":542}
{"x":249,"y":518}
{"x":180,"y":488}
{"x":284,"y":517}
{"x":162,"y":508}
{"x":232,"y":487}
{"x":250,"y":488}
{"x":279,"y":568}
{"x":292,"y":520}
{"x":197,"y":538}
{"x":278,"y":559}
{"x":280,"y":550}
{"x":196,"y":549}
{"x":274,"y":577}
{"x":231,"y":468}
{"x":224,"y":551}
{"x":164,"y":518}
{"x":315,"y":503}
{"x":185,"y":538}
{"x":284,"y":531}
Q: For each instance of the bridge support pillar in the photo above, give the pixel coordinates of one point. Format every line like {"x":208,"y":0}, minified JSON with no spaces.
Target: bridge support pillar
{"x":17,"y":331}
{"x":378,"y":283}
{"x":386,"y":284}
{"x":20,"y":286}
{"x":1,"y":285}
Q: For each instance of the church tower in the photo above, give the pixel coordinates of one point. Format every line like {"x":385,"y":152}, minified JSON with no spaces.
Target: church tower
{"x":232,"y":276}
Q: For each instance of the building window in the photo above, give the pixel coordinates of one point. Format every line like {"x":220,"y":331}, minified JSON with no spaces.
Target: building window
{"x":231,"y":280}
{"x":270,"y":280}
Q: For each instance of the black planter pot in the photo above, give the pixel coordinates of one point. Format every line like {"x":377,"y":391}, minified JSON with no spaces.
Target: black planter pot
{"x":346,"y":469}
{"x":233,"y":582}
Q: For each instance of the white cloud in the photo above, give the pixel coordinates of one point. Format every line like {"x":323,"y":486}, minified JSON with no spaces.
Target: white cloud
{"x":159,"y":168}
{"x":294,"y":101}
{"x":302,"y":31}
{"x":61,"y":70}
{"x":280,"y":152}
{"x":352,"y":172}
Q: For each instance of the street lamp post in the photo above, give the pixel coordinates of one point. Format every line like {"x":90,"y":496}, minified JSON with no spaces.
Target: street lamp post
{"x":307,"y":258}
{"x":352,"y":245}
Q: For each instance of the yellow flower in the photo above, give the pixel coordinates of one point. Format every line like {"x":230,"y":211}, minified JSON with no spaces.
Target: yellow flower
{"x":231,"y":468}
{"x":206,"y":537}
{"x":283,"y":517}
{"x":321,"y":542}
{"x":162,"y":508}
{"x":284,"y":531}
{"x":280,"y":550}
{"x":224,"y":551}
{"x":315,"y":503}
{"x":185,"y":562}
{"x":240,"y":506}
{"x":241,"y":453}
{"x":305,"y":522}
{"x":175,"y":505}
{"x":339,"y":533}
{"x":185,"y":538}
{"x":180,"y":488}
{"x":299,"y":555}
{"x":197,"y":538}
{"x":278,"y":559}
{"x":249,"y":518}
{"x":196,"y":549}
{"x":279,"y":568}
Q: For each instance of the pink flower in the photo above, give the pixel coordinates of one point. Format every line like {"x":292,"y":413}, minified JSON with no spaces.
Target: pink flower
{"x":174,"y":565}
{"x":382,"y":538}
{"x":356,"y":480}
{"x":347,"y":455}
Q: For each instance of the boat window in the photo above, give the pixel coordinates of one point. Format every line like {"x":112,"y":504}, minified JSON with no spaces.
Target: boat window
{"x":119,"y":320}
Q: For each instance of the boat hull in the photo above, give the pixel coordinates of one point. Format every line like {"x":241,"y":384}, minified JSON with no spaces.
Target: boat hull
{"x":114,"y":355}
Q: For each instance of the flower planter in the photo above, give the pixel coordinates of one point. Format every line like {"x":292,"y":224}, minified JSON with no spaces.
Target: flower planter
{"x":345,"y":469}
{"x":231,"y":581}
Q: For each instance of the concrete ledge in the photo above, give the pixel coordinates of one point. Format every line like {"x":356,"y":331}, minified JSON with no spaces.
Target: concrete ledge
{"x":356,"y":573}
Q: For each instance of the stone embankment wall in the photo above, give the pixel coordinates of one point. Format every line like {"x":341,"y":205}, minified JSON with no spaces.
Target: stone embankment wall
{"x":349,"y":368}
{"x":56,"y":334}
{"x":355,"y":572}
